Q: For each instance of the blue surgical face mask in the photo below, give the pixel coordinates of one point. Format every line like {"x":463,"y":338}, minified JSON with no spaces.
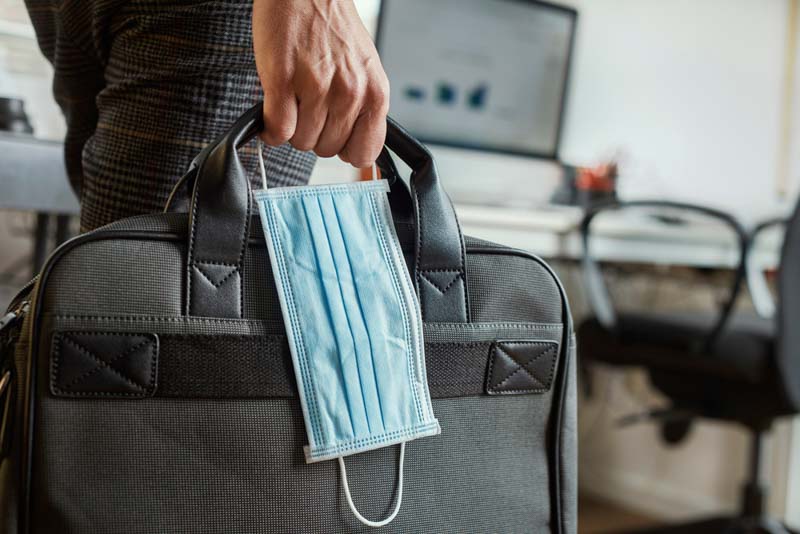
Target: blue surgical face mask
{"x":352,"y":318}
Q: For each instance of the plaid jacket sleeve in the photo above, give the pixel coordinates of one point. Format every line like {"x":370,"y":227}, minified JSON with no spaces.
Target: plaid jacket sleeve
{"x":144,"y":85}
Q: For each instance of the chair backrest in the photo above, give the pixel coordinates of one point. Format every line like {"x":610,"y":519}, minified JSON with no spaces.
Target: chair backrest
{"x":789,"y":311}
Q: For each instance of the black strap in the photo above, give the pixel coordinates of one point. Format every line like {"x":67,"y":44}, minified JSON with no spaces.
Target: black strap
{"x":220,"y":212}
{"x":219,"y":221}
{"x":261,"y":367}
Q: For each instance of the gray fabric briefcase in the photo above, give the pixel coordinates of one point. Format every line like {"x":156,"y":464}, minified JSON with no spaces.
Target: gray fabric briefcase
{"x":147,"y":384}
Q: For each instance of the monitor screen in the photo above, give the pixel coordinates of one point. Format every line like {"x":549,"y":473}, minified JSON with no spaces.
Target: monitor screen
{"x":484,"y":74}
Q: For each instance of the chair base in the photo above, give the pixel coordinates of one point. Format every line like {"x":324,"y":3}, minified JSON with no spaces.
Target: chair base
{"x":722,"y":525}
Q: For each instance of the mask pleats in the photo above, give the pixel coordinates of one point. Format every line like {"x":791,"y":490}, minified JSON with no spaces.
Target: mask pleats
{"x":338,"y":318}
{"x":319,"y":341}
{"x":347,"y":258}
{"x":375,"y":278}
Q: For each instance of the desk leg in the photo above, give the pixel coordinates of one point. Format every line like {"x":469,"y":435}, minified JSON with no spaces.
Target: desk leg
{"x":40,"y":241}
{"x":62,"y":228}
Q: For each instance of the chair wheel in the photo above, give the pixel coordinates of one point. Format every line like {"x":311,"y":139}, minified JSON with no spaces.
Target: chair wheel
{"x":673,"y":432}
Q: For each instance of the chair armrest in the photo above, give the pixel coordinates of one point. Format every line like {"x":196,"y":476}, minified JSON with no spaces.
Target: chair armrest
{"x":762,"y":298}
{"x":597,"y":291}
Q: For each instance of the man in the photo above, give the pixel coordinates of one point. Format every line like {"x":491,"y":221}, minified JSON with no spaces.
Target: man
{"x":145,"y":84}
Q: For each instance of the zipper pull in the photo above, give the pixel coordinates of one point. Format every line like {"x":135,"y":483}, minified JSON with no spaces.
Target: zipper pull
{"x":15,"y":316}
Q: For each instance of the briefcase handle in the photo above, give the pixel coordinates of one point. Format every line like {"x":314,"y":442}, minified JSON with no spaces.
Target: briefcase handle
{"x":221,"y":208}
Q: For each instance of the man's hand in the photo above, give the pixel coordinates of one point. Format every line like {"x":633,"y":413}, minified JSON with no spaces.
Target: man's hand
{"x":324,"y":86}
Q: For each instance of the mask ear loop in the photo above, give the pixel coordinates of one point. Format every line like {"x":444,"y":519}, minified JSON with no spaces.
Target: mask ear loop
{"x":261,"y":167}
{"x":374,"y":171}
{"x":352,"y":506}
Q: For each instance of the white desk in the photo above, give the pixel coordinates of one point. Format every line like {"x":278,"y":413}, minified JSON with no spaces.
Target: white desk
{"x":33,"y":177}
{"x":553,"y":232}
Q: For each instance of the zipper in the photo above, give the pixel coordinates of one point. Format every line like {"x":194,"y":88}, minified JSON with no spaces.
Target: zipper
{"x":21,"y":297}
{"x":17,"y":310}
{"x":14,"y":316}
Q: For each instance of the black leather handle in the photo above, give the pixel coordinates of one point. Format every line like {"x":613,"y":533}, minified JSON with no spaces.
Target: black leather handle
{"x":219,"y":220}
{"x":221,"y":206}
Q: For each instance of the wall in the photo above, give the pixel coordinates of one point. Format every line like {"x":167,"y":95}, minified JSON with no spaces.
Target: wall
{"x":689,"y":93}
{"x":25,"y":73}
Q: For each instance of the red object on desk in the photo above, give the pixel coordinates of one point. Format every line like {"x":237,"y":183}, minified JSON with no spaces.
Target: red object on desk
{"x":601,"y":178}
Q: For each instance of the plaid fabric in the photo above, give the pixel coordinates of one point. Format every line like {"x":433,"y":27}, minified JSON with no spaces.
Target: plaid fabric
{"x":144,"y":85}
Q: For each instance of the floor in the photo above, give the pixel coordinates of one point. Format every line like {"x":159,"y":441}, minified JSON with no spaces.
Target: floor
{"x":596,"y":516}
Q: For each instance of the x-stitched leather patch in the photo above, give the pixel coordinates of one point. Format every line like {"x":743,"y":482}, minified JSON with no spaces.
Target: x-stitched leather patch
{"x":103,"y":364}
{"x":520,"y":367}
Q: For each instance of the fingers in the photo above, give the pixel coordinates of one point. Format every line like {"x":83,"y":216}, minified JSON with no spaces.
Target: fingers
{"x":345,"y":99}
{"x":312,"y":113}
{"x":369,"y":131}
{"x":280,"y":116}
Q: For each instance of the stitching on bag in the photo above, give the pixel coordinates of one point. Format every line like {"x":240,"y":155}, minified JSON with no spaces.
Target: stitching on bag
{"x":54,"y":372}
{"x":118,"y":357}
{"x":59,"y":391}
{"x":216,"y":285}
{"x":461,"y":343}
{"x":245,"y":337}
{"x":411,"y":346}
{"x":189,"y":294}
{"x":418,"y":247}
{"x":434,"y":284}
{"x":211,"y":262}
{"x":161,"y":318}
{"x":492,"y":326}
{"x":245,"y":238}
{"x":520,"y":367}
{"x":462,"y":263}
{"x":102,"y":363}
{"x":545,"y":387}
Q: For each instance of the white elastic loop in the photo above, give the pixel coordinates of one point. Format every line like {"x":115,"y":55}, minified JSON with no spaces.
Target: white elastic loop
{"x":352,"y":506}
{"x":374,"y":172}
{"x":261,"y":167}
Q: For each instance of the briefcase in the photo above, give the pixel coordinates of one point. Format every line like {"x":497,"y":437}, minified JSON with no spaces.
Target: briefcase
{"x":147,"y":383}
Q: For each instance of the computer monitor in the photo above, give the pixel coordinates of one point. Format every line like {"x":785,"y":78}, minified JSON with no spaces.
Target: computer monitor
{"x":482,"y":74}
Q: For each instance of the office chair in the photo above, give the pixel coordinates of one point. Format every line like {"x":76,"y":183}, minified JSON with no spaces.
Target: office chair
{"x":728,"y":367}
{"x":759,"y":288}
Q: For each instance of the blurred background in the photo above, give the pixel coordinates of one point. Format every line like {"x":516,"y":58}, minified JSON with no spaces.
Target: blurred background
{"x":535,"y":113}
